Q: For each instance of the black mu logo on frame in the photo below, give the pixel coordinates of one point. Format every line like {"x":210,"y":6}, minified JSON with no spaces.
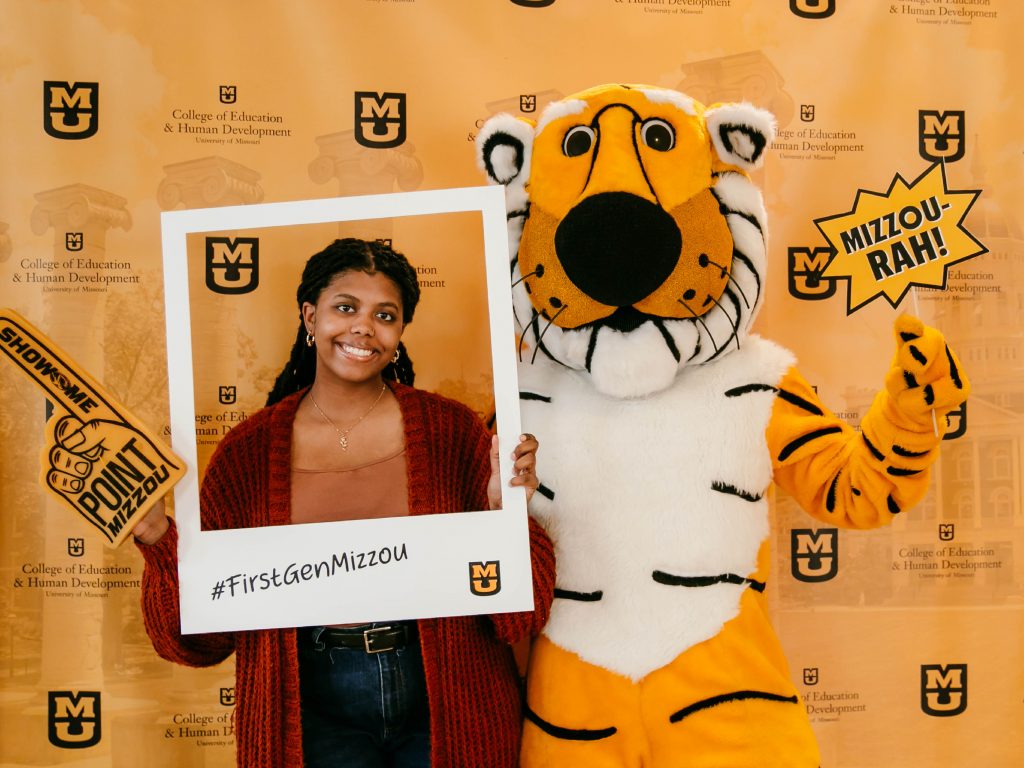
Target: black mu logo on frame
{"x":485,"y":578}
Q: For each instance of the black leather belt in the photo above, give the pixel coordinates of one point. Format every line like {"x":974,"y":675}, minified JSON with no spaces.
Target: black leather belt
{"x":371,"y":640}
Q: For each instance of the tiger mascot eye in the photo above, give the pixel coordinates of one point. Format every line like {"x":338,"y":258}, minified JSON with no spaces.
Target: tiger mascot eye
{"x":638,"y":265}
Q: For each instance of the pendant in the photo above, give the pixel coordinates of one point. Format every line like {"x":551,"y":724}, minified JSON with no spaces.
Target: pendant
{"x":343,"y":442}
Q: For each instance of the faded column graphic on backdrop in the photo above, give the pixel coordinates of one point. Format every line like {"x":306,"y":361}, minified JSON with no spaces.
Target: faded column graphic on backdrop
{"x":909,"y":235}
{"x":99,"y":459}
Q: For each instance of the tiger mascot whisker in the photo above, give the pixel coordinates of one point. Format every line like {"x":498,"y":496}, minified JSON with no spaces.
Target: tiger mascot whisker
{"x":639,"y":258}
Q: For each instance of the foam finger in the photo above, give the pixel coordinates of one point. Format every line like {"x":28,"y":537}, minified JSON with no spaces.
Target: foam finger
{"x":61,"y":481}
{"x":69,"y":463}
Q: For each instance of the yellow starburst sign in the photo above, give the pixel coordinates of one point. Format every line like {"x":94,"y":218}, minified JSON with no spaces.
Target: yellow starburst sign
{"x":909,"y":235}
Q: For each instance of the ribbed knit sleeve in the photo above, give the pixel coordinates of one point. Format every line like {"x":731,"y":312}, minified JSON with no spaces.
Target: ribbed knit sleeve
{"x":233,"y":495}
{"x":161,"y":609}
{"x":513,"y":627}
{"x":465,"y":454}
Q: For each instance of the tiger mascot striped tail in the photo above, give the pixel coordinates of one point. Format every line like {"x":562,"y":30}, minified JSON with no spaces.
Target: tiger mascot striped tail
{"x":639,"y":258}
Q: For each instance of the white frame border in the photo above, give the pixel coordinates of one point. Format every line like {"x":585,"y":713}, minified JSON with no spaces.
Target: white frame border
{"x":424,"y":576}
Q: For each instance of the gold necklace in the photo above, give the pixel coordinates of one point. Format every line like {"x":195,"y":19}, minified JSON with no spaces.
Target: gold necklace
{"x":343,"y":433}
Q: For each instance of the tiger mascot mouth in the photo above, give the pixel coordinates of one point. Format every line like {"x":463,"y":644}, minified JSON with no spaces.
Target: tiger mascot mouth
{"x":640,"y":249}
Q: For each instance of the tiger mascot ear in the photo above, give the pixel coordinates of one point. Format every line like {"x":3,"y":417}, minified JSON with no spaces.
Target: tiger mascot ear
{"x":504,"y":148}
{"x":740,"y":133}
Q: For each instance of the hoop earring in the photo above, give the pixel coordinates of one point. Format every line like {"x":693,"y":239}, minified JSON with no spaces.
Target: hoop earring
{"x":310,"y":339}
{"x":398,"y":354}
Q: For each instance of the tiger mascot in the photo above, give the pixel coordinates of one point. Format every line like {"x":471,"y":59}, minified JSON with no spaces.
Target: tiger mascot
{"x":638,"y":266}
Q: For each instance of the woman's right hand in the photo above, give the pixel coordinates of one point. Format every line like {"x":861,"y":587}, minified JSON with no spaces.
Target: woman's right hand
{"x":150,"y":529}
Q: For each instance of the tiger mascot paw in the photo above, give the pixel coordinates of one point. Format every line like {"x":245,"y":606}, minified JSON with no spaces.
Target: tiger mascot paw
{"x":925,"y":376}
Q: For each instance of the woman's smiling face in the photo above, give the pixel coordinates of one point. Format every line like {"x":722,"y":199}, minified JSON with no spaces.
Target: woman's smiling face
{"x":357,"y":323}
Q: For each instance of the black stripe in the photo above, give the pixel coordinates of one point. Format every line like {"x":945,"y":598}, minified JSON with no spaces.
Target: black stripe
{"x":743,"y":259}
{"x":909,"y":380}
{"x":546,"y":492}
{"x":908,"y":336}
{"x":830,"y":497}
{"x":735,"y":335}
{"x":799,"y":402}
{"x":900,"y":451}
{"x":669,"y":341}
{"x":897,"y":472}
{"x":804,"y":439}
{"x":854,"y":491}
{"x":671,"y":580}
{"x":929,"y":394}
{"x":749,"y":217}
{"x":894,"y":508}
{"x":874,"y":451}
{"x":725,"y":210}
{"x":917,"y":355}
{"x":953,"y":371}
{"x":569,"y":734}
{"x":590,"y":348}
{"x":583,"y":597}
{"x":696,"y":349}
{"x":747,"y":388}
{"x":734,"y":491}
{"x":534,"y":396}
{"x":714,"y":701}
{"x":521,"y":212}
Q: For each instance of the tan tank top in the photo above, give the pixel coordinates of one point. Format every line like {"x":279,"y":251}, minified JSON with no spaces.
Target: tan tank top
{"x":377,"y":489}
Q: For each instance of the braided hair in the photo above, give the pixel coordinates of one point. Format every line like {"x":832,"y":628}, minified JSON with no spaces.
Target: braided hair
{"x":370,"y":256}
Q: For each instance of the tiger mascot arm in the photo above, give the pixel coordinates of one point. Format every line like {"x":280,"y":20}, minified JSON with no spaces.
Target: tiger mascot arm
{"x":863,"y":479}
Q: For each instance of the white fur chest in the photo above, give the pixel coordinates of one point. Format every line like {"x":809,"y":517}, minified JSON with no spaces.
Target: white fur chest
{"x":654,"y":504}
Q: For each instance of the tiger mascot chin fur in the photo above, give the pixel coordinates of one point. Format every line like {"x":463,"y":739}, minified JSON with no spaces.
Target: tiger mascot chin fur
{"x":638,"y":266}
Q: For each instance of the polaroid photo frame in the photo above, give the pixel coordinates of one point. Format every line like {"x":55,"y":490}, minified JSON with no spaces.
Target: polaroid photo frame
{"x":459,"y":563}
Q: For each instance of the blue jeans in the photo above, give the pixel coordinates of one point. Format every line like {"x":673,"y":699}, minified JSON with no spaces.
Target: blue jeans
{"x":362,"y":710}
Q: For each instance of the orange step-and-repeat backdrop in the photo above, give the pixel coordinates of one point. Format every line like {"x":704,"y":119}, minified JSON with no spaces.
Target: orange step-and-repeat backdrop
{"x":906,"y":642}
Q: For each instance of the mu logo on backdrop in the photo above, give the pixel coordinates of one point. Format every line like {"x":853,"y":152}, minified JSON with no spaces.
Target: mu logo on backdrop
{"x":814,"y":554}
{"x":806,"y":271}
{"x":813,"y":9}
{"x":232,"y":265}
{"x":956,"y":421}
{"x":71,"y":110}
{"x":380,"y":119}
{"x":74,"y":241}
{"x":73,"y":719}
{"x":943,"y":689}
{"x":941,"y":135}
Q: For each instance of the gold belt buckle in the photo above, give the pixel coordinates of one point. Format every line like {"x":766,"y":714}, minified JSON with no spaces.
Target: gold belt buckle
{"x":368,"y":635}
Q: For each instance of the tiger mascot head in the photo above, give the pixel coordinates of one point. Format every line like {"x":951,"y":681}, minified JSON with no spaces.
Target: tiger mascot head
{"x":637,"y":239}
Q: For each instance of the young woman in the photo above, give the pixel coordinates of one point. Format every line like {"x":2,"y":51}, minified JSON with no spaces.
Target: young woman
{"x":344,"y":436}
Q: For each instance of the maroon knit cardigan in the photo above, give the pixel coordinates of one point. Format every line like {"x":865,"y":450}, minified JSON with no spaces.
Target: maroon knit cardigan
{"x":472,"y":682}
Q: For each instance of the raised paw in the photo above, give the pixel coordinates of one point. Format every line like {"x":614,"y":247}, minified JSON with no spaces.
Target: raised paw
{"x":925,"y":376}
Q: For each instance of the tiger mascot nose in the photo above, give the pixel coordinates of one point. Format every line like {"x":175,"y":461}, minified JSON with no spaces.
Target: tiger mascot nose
{"x":617,"y":247}
{"x":616,"y":244}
